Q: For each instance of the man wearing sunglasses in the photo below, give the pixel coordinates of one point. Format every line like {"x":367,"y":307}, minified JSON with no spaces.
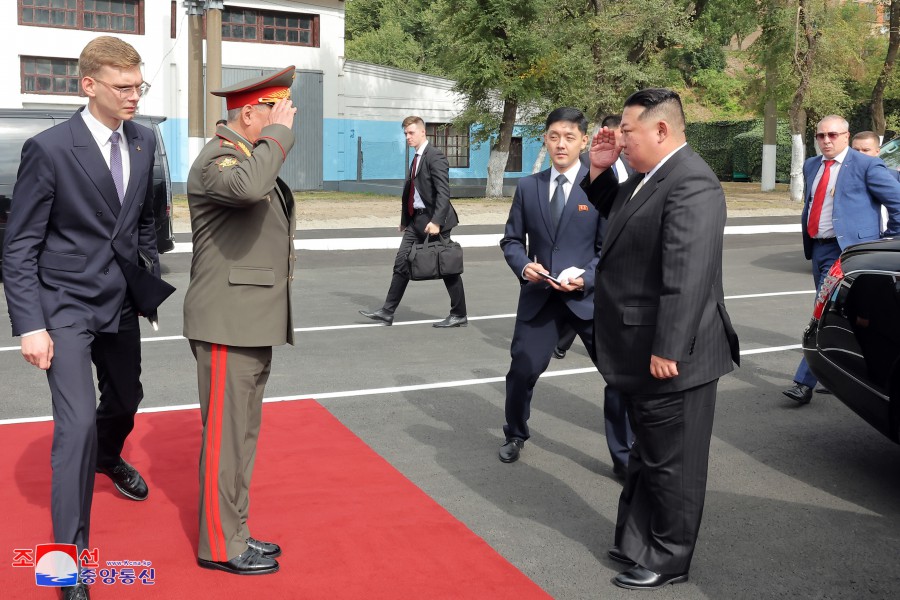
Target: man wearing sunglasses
{"x":843,"y":196}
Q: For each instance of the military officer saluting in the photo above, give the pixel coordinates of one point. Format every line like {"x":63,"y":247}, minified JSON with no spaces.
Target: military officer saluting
{"x":238,"y":305}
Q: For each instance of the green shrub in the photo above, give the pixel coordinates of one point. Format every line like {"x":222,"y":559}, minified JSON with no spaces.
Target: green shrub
{"x":747,"y":152}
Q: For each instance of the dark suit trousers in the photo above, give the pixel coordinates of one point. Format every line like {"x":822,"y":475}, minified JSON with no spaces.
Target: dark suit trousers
{"x":618,"y":430}
{"x":531,"y":350}
{"x":824,"y":255}
{"x":84,"y":434}
{"x":231,"y":381}
{"x":415,"y":234}
{"x":662,"y":502}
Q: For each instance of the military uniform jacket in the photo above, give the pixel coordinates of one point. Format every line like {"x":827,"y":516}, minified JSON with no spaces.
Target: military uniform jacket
{"x":243,"y":223}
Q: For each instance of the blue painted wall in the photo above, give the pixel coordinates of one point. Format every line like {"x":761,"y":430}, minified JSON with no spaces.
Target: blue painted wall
{"x":384,"y":151}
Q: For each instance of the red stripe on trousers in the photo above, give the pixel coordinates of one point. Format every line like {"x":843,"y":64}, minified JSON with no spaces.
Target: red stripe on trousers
{"x":216,"y":535}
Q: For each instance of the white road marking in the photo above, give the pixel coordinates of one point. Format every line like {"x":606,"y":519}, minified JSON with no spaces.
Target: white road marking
{"x":485,"y":240}
{"x":390,"y":390}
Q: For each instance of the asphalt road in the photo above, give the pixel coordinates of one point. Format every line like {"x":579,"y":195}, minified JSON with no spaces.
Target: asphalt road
{"x":802,"y":501}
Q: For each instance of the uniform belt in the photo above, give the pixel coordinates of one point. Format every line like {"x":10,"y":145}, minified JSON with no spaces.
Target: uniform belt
{"x":825,"y":240}
{"x":420,"y":211}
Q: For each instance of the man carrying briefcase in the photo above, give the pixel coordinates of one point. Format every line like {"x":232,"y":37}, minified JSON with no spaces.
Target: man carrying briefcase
{"x":425,"y":211}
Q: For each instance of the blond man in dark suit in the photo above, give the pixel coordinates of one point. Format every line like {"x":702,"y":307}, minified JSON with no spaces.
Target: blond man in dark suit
{"x":238,"y":305}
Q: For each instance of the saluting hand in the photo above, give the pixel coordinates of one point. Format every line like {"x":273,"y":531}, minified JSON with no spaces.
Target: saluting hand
{"x":282,"y":114}
{"x":604,"y":152}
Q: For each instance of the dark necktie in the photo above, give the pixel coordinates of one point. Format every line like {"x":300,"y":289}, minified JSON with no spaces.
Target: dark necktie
{"x":115,"y":165}
{"x":558,"y":201}
{"x":412,"y":184}
{"x":812,"y":227}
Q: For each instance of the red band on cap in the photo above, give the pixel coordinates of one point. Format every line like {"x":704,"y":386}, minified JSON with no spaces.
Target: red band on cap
{"x":240,"y":99}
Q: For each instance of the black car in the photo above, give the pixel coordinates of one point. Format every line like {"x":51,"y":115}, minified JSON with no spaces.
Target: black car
{"x":17,"y":125}
{"x":852,"y":343}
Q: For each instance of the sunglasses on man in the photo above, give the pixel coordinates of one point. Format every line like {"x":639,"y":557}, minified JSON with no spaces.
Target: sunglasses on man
{"x":832,"y":135}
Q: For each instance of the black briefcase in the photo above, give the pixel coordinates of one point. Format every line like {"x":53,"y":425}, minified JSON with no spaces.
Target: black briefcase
{"x":435,"y":259}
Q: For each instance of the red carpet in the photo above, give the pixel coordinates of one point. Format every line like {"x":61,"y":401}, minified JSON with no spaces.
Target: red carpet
{"x":351,"y":526}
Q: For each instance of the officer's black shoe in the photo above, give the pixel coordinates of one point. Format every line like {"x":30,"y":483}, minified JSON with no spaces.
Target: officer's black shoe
{"x":559,"y":352}
{"x":267,"y":549}
{"x":452,"y":321}
{"x":249,"y":562}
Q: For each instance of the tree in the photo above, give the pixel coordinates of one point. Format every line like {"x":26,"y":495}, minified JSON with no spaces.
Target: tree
{"x":502,"y":59}
{"x":806,"y":40}
{"x":887,"y":69}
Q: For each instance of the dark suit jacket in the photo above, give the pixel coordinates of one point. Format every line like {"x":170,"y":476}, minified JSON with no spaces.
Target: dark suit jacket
{"x":575,"y":243}
{"x":433,"y":185}
{"x":659,"y":279}
{"x":66,"y":227}
{"x":864,"y":184}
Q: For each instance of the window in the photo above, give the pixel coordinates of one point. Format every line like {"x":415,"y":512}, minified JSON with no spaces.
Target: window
{"x":270,"y":27}
{"x":263,"y":26}
{"x":452,"y":142}
{"x":114,"y":16}
{"x":514,"y":162}
{"x":41,"y":75}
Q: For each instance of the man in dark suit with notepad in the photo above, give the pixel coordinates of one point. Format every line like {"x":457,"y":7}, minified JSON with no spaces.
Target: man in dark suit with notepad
{"x":552,"y":244}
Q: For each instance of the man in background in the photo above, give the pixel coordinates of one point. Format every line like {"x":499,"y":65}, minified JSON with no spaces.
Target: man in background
{"x":238,"y":305}
{"x":844,"y":192}
{"x":425,"y":211}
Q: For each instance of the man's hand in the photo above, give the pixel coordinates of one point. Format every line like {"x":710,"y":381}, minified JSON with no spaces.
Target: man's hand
{"x":663,"y":368}
{"x":573,"y":285}
{"x":531,"y":272}
{"x":37,"y":349}
{"x":432,"y":229}
{"x":282,"y":114}
{"x":604,"y":152}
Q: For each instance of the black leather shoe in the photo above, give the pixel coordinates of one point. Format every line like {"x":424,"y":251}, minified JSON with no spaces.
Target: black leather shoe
{"x":75,"y":592}
{"x":639,"y":578}
{"x":559,"y":352}
{"x":800,"y":393}
{"x":615,"y":554}
{"x":379,"y":315}
{"x":127,"y":480}
{"x":249,"y":562}
{"x":452,"y":321}
{"x":267,"y":549}
{"x":509,"y":452}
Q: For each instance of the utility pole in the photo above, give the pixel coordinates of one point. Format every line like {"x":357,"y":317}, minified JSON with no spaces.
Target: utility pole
{"x":196,"y":138}
{"x":213,"y":63}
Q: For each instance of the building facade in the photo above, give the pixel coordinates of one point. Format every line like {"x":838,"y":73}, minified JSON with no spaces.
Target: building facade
{"x":349,"y":116}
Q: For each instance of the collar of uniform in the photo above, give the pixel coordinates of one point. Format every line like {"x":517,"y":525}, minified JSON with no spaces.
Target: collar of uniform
{"x":234,"y":138}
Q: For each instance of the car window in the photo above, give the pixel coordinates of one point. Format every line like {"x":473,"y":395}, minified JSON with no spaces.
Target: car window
{"x":890,"y":154}
{"x":13,"y":133}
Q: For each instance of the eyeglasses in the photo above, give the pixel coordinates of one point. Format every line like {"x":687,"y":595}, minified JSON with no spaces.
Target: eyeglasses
{"x":832,"y":135}
{"x":125,"y":91}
